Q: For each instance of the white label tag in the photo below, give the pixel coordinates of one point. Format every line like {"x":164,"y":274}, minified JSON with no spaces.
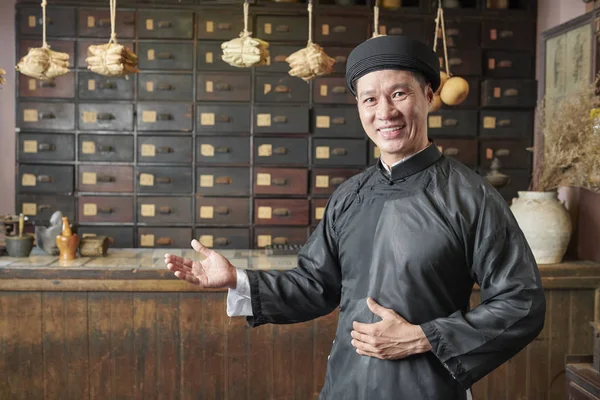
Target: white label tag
{"x":322,"y":152}
{"x":150,"y":86}
{"x":29,"y":209}
{"x":150,"y":54}
{"x":207,"y":212}
{"x":323,"y":121}
{"x":322,"y":181}
{"x":148,"y":150}
{"x":148,"y":210}
{"x":263,"y":240}
{"x":263,"y":179}
{"x":147,"y":240}
{"x":207,"y":181}
{"x":88,"y":178}
{"x":206,"y":240}
{"x":264,"y":212}
{"x":146,"y":180}
{"x":30,"y":115}
{"x":208,"y":58}
{"x":149,"y":117}
{"x":88,"y":147}
{"x":265,"y":150}
{"x":207,"y":150}
{"x":207,"y":119}
{"x":30,"y":146}
{"x":210,"y":26}
{"x":91,"y":85}
{"x":90,"y":117}
{"x":319,"y":211}
{"x":263,"y":120}
{"x":325,"y":29}
{"x":209,"y":87}
{"x":28,"y":180}
{"x":90,"y":209}
{"x":91,"y":21}
{"x":32,"y":85}
{"x":149,"y":24}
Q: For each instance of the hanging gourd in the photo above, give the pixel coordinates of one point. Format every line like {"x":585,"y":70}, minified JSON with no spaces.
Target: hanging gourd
{"x":245,"y":51}
{"x":453,"y":90}
{"x":2,"y":73}
{"x":376,"y":21}
{"x":41,"y":62}
{"x":311,"y":61}
{"x":112,"y":59}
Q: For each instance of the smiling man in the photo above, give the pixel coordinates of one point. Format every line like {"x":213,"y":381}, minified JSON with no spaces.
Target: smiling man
{"x":398,"y":250}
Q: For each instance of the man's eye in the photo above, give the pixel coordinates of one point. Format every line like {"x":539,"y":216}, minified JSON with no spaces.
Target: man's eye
{"x":369,"y":100}
{"x":399,"y":94}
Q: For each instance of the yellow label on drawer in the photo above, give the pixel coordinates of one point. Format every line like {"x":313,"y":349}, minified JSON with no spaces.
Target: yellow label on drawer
{"x":146,"y":180}
{"x":148,"y":150}
{"x":151,"y":54}
{"x":32,"y":85}
{"x":489,"y":153}
{"x":90,"y":209}
{"x":30,"y":115}
{"x":319,"y":211}
{"x":206,"y":240}
{"x":323,"y":90}
{"x":88,"y":178}
{"x":492,"y":63}
{"x":30,"y":146}
{"x":207,"y":119}
{"x":32,"y":21}
{"x":149,"y":24}
{"x":87,"y":235}
{"x":382,"y":30}
{"x":150,"y":86}
{"x":322,"y":152}
{"x":28,"y":180}
{"x":207,"y":181}
{"x":90,"y":117}
{"x":264,"y":212}
{"x":210,"y":26}
{"x":435,"y":121}
{"x":268,"y":28}
{"x":323,"y":121}
{"x":322,"y":181}
{"x":376,"y":152}
{"x":263,"y":120}
{"x":207,"y":150}
{"x":147,"y":240}
{"x":207,"y":212}
{"x":149,"y":117}
{"x":267,"y":88}
{"x":208,"y":57}
{"x":265,"y":150}
{"x":493,"y":34}
{"x":263,"y":240}
{"x":88,"y":147}
{"x":210,"y":87}
{"x":29,"y":209}
{"x":497,"y":92}
{"x":91,"y":21}
{"x":325,"y":29}
{"x":263,"y":179}
{"x":148,"y":210}
{"x":441,"y":149}
{"x":91,"y":85}
{"x":489,"y":122}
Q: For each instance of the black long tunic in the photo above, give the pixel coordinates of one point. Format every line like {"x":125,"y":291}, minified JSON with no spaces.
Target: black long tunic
{"x":416,"y":242}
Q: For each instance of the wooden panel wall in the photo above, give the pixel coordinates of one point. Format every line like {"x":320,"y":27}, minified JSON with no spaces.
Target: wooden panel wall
{"x":121,"y":345}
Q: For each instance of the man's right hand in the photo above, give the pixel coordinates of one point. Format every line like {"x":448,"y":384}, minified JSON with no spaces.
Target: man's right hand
{"x":215,"y":271}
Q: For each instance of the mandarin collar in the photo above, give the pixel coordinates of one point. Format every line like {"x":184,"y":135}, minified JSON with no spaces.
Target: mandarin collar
{"x":414,"y":164}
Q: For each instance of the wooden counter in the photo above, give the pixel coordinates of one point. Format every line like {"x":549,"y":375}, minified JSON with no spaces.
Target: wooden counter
{"x":124,"y":327}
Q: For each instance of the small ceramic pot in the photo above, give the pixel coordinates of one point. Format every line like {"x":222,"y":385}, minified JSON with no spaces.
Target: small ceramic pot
{"x":19,"y":246}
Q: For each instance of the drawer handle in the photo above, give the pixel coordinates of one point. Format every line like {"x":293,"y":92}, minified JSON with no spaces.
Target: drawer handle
{"x":280,"y":58}
{"x":339,"y":90}
{"x":223,"y":26}
{"x":105,"y":178}
{"x":47,"y":115}
{"x":42,"y":207}
{"x":505,"y":64}
{"x":511,"y":92}
{"x":282,"y":28}
{"x":106,"y":149}
{"x":450,"y":122}
{"x":164,"y":241}
{"x":45,"y":179}
{"x":455,"y":61}
{"x":105,"y":117}
{"x":282,"y":89}
{"x":340,"y":151}
{"x":504,"y":123}
{"x":396,"y":31}
{"x":165,"y":87}
{"x":453,"y":32}
{"x":163,"y":179}
{"x":223,"y":180}
{"x":222,"y":210}
{"x":223,"y":87}
{"x":165,"y":149}
{"x":281,"y":212}
{"x":279,"y":240}
{"x":506,"y":34}
{"x":164,"y":24}
{"x":164,"y":56}
{"x":222,"y":150}
{"x":338,"y":121}
{"x":451,"y":151}
{"x":103,"y":22}
{"x":221,"y":241}
{"x":165,"y":210}
{"x":280,"y":119}
{"x":164,"y":117}
{"x":340,"y":59}
{"x":46,"y":147}
{"x":105,"y":210}
{"x":340,"y":29}
{"x":108,"y":85}
{"x":222,"y":119}
{"x":337,"y":181}
{"x":280,"y":150}
{"x":279,"y":181}
{"x":47,"y":84}
{"x":502,"y":152}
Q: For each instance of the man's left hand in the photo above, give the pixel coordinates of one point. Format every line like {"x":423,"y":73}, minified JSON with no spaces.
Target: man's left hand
{"x":390,"y":339}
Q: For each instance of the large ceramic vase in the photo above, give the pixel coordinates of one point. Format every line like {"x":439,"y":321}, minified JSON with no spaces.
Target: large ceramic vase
{"x":546,"y":224}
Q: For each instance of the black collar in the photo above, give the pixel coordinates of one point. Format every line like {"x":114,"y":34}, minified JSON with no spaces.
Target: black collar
{"x":416,"y":163}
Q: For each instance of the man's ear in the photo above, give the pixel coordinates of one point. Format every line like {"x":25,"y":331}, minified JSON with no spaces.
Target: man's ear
{"x":429,"y":93}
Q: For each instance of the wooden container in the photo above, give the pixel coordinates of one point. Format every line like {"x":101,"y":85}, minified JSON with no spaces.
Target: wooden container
{"x":93,"y":246}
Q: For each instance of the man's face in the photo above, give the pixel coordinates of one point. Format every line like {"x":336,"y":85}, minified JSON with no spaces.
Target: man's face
{"x":393,"y":109}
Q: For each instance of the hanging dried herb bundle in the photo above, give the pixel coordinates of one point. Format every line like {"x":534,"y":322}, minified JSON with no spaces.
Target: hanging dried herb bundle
{"x":245,"y":51}
{"x":2,"y":73}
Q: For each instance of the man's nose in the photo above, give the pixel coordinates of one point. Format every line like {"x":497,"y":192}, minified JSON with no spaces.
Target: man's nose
{"x":385,"y":110}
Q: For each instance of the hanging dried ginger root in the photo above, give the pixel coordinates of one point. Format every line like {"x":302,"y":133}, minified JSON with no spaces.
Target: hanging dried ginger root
{"x":111,"y":59}
{"x":245,"y":51}
{"x":2,"y":73}
{"x":310,"y":62}
{"x":44,"y":64}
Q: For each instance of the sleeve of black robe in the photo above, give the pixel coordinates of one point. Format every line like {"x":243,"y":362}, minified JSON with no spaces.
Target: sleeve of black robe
{"x":513,"y":305}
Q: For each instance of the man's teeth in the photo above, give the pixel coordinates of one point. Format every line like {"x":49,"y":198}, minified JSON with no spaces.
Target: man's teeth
{"x":391,"y":129}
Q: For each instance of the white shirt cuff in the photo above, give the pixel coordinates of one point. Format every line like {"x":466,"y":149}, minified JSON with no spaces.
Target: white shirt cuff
{"x":238,"y":299}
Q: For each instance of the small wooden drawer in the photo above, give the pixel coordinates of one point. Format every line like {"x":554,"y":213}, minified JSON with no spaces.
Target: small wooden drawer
{"x":326,"y":181}
{"x":459,"y":32}
{"x":224,"y":238}
{"x":462,"y":61}
{"x":164,"y":149}
{"x":165,"y":24}
{"x":164,"y":210}
{"x":226,"y":181}
{"x":105,"y":209}
{"x":281,"y":119}
{"x":62,"y":46}
{"x":342,"y":30}
{"x":518,"y":180}
{"x":473,"y":97}
{"x":222,"y":211}
{"x":41,"y":207}
{"x":118,"y":238}
{"x":278,"y":53}
{"x":332,"y":90}
{"x":463,"y":150}
{"x":506,"y":124}
{"x":164,"y":238}
{"x":62,"y":87}
{"x":505,"y":35}
{"x":508,"y":93}
{"x":452,"y":122}
{"x":46,"y":116}
{"x":223,"y":87}
{"x":105,"y":178}
{"x":223,"y":118}
{"x":45,"y":178}
{"x":340,"y":55}
{"x":280,"y":212}
{"x":177,"y":56}
{"x":280,"y":88}
{"x":209,"y":57}
{"x":339,"y":152}
{"x":46,"y":147}
{"x":96,"y":23}
{"x":336,"y":122}
{"x":281,"y":151}
{"x":82,"y":50}
{"x":405,"y":27}
{"x":281,"y":181}
{"x":223,"y":150}
{"x":116,"y":148}
{"x":505,"y":64}
{"x":60,"y":21}
{"x":106,"y":117}
{"x":286,"y":28}
{"x":511,"y":153}
{"x":164,"y":179}
{"x":218,"y":25}
{"x":159,"y":87}
{"x":317,"y":208}
{"x":173,"y":117}
{"x":271,"y":236}
{"x":97,"y":87}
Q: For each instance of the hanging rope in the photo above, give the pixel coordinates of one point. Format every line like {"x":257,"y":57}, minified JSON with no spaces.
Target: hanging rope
{"x":376,"y":19}
{"x":310,"y":10}
{"x":246,"y":7}
{"x":113,"y":17}
{"x":44,"y":44}
{"x":440,"y":20}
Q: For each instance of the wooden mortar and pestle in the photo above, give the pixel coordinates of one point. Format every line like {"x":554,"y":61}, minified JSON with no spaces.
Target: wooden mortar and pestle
{"x":67,"y":242}
{"x":21,"y":245}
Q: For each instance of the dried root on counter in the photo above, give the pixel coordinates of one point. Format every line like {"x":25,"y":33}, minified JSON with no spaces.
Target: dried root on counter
{"x":44,"y":64}
{"x":310,"y":62}
{"x":111,"y":59}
